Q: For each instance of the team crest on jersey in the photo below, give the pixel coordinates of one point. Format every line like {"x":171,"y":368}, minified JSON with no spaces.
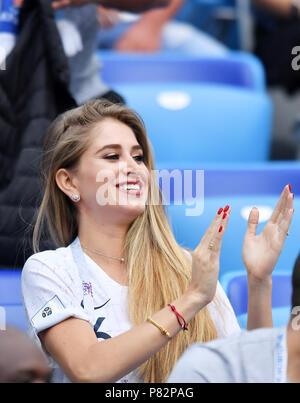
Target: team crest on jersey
{"x":46,"y":312}
{"x":87,"y":288}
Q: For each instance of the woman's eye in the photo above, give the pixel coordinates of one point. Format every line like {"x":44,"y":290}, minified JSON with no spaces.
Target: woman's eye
{"x":139,"y":158}
{"x":111,"y":157}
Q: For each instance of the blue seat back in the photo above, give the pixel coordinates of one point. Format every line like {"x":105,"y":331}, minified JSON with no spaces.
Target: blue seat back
{"x":11,"y":298}
{"x":203,"y":123}
{"x":236,"y":69}
{"x":235,"y":286}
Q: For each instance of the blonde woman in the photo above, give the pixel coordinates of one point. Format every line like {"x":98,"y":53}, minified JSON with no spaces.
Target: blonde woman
{"x":119,"y":299}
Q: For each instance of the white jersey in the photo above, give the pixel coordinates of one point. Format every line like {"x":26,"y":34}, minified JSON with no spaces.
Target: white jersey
{"x":62,"y":283}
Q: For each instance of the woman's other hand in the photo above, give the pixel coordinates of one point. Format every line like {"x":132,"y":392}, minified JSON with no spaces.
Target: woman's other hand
{"x":261,"y":252}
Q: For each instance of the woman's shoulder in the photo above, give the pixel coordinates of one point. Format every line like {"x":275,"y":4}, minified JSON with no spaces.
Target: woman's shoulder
{"x":48,"y":255}
{"x":60,"y":257}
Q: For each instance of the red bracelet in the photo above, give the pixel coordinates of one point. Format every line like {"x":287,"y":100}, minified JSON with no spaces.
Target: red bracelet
{"x":183,"y":325}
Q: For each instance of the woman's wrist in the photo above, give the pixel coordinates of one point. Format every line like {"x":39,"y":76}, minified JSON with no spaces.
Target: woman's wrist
{"x":259,"y":302}
{"x":196,"y":300}
{"x":256,"y":283}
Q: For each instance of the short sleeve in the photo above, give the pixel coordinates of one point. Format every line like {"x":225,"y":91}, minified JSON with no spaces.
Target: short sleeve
{"x":184,"y":372}
{"x":206,"y":363}
{"x":50,"y":295}
{"x":186,"y":369}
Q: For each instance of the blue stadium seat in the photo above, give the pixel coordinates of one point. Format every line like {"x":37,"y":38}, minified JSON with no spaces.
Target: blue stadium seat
{"x":236,"y":69}
{"x":190,"y":122}
{"x":11,"y":298}
{"x":235,"y":286}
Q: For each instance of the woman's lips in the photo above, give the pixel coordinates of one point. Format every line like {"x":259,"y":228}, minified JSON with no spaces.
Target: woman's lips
{"x":131,"y":192}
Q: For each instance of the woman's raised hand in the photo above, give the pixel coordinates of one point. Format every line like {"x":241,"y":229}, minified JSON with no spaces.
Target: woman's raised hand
{"x":206,"y":258}
{"x":261,"y":252}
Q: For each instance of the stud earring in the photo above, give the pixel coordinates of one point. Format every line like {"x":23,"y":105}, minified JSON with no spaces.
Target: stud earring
{"x":76,"y":198}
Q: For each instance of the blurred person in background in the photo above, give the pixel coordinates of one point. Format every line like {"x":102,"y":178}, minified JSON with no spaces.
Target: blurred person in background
{"x":125,"y":5}
{"x":21,"y":361}
{"x":154,"y":31}
{"x":282,"y":8}
{"x":262,"y":355}
{"x":276,"y":34}
{"x":78,"y":26}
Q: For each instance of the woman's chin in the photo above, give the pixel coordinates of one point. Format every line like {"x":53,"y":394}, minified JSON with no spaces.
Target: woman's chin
{"x":132,"y":209}
{"x":124,"y":212}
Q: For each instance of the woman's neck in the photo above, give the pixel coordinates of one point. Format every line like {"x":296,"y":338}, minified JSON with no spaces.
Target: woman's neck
{"x":107,"y":238}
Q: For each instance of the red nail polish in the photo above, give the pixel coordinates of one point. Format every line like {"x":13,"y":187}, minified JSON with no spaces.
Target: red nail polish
{"x":224,"y":216}
{"x":226,"y":209}
{"x":293,"y":195}
{"x":290,"y":188}
{"x":220,"y":210}
{"x":220,"y":229}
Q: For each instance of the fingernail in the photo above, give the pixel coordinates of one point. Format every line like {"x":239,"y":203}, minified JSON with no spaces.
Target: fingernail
{"x":224,"y":216}
{"x":293,"y":195}
{"x":226,"y":209}
{"x":220,"y":210}
{"x":220,"y":229}
{"x":290,"y":187}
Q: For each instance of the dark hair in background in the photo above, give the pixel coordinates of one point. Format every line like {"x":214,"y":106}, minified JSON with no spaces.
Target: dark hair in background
{"x":296,"y":283}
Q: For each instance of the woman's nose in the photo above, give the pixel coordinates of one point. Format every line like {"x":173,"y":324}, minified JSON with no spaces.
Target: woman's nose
{"x":128,"y":165}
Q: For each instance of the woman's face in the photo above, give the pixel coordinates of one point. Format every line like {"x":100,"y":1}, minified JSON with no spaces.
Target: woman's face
{"x":112,"y":178}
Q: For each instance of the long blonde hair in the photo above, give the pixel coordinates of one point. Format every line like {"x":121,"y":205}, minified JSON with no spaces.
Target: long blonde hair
{"x":159,"y":270}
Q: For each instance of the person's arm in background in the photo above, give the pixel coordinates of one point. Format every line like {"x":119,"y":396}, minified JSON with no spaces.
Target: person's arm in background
{"x":279,"y":7}
{"x":136,"y":6}
{"x":145,"y":34}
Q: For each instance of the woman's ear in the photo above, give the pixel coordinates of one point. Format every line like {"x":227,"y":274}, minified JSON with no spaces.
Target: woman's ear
{"x":65,"y":182}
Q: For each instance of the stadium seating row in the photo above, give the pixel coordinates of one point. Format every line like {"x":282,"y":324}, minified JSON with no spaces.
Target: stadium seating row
{"x":238,"y":69}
